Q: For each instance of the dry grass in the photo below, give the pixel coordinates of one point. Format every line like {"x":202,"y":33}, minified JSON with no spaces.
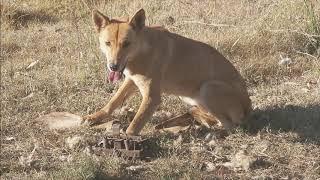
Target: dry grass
{"x":282,"y":134}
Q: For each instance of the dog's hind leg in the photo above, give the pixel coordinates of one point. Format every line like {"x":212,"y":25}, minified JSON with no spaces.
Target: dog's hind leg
{"x":196,"y":114}
{"x":202,"y":116}
{"x":181,"y":120}
{"x":223,"y":102}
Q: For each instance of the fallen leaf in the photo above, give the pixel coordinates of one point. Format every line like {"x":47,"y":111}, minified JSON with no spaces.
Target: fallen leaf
{"x":32,"y":64}
{"x":11,"y":138}
{"x":208,"y":166}
{"x":212,"y":143}
{"x":135,"y":168}
{"x":240,"y":161}
{"x":73,"y":142}
{"x":178,"y":141}
{"x":28,"y":96}
{"x":285,"y":61}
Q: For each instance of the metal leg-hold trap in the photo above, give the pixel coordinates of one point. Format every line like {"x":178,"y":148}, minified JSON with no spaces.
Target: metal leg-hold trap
{"x":122,"y":145}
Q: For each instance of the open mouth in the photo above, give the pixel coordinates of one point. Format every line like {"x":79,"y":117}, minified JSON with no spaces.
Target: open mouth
{"x":115,"y":76}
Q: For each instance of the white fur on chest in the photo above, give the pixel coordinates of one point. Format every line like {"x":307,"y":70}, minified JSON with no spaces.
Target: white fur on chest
{"x":189,"y":100}
{"x":138,"y":80}
{"x":127,"y":72}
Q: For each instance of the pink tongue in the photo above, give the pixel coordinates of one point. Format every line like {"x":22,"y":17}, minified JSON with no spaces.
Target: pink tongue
{"x":111,"y":76}
{"x":114,"y":76}
{"x":117,"y":76}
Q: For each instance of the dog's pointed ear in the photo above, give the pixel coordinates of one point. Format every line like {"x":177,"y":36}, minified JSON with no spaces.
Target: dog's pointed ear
{"x":138,"y":20}
{"x":99,"y":20}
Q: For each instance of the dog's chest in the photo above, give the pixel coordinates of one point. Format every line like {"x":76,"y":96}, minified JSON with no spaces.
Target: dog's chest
{"x":139,"y":80}
{"x":126,"y":72}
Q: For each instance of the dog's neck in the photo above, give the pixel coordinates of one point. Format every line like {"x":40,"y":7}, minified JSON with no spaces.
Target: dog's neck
{"x":148,"y":38}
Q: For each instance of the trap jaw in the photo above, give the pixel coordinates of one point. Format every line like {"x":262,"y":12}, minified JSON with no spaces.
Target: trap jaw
{"x":133,"y":147}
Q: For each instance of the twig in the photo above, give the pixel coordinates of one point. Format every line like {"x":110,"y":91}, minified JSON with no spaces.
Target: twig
{"x":304,"y":53}
{"x":210,"y":24}
{"x":86,"y":4}
{"x":236,"y":42}
{"x":292,"y":31}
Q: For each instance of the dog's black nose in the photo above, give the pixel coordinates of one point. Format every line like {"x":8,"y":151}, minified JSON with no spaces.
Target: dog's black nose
{"x":113,"y":67}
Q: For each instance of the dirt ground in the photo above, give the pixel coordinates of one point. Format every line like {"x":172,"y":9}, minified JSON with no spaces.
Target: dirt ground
{"x":50,"y":61}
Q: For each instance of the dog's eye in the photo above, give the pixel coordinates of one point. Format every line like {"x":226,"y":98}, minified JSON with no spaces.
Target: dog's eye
{"x":125,"y":44}
{"x":108,"y":43}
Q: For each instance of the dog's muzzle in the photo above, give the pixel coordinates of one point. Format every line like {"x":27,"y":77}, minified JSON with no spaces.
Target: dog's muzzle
{"x":114,"y":76}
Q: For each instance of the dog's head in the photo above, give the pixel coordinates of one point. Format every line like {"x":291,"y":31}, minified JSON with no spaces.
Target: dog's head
{"x":118,"y":40}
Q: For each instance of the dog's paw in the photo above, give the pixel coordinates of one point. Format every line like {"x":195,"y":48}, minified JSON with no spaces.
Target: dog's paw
{"x":93,"y":119}
{"x":88,"y":120}
{"x":131,"y":132}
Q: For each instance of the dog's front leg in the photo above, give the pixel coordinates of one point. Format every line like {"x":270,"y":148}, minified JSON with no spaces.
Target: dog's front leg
{"x":150,"y":100}
{"x":126,"y":90}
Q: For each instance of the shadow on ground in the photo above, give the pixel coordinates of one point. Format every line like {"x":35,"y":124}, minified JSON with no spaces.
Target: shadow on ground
{"x":302,"y":120}
{"x":22,"y":18}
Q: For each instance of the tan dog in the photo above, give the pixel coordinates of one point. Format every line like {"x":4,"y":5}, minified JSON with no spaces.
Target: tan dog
{"x":156,"y":61}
